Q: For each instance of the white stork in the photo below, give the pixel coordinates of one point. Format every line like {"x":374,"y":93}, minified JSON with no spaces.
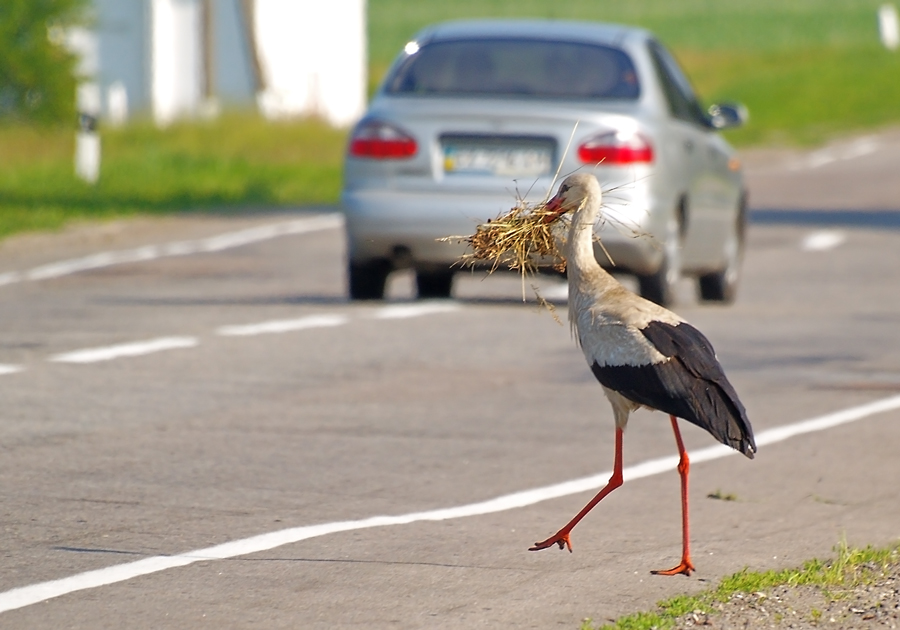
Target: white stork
{"x":643,"y":355}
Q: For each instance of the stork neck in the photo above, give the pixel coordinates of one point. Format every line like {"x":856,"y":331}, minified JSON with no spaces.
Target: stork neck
{"x":581,"y":241}
{"x":586,"y":276}
{"x":581,"y":246}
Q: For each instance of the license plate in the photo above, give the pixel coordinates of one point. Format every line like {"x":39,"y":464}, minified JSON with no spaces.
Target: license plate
{"x":526,"y":158}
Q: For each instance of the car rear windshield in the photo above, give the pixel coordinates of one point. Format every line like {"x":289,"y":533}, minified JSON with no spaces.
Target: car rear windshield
{"x":517,"y":67}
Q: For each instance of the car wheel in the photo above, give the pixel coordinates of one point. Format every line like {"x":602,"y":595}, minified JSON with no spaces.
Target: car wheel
{"x":660,"y":286}
{"x":721,"y":286}
{"x":367,"y":280}
{"x":434,"y":284}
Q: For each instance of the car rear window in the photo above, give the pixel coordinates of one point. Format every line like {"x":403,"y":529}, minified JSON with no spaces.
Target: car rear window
{"x":517,"y":67}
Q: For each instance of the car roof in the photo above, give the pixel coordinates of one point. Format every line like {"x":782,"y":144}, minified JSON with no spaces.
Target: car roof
{"x":555,"y":30}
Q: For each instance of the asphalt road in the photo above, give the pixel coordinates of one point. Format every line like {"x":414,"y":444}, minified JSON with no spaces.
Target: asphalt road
{"x":229,"y":426}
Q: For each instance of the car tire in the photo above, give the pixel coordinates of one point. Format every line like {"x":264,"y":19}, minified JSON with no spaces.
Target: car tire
{"x":721,"y":286}
{"x":434,"y":284}
{"x":660,"y":285}
{"x":367,"y":280}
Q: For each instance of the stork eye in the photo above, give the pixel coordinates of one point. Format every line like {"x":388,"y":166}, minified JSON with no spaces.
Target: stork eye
{"x":563,"y":189}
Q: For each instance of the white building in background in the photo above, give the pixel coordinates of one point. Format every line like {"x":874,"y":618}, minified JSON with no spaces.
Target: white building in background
{"x":889,"y":26}
{"x":177,"y":64}
{"x":313,"y":55}
{"x":187,"y":58}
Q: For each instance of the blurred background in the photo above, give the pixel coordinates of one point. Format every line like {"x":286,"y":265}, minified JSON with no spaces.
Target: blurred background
{"x":198,"y":105}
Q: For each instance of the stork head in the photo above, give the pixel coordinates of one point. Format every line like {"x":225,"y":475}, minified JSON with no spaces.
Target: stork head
{"x":575,"y":192}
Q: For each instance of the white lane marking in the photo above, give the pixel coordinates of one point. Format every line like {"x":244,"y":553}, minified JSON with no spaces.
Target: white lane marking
{"x":858,"y":148}
{"x":106,"y":353}
{"x":6,"y":368}
{"x":178,"y":248}
{"x":9,"y":277}
{"x":861,"y":147}
{"x":779,"y":434}
{"x":819,"y":158}
{"x":556,"y":292}
{"x":34,"y":593}
{"x":282,"y":325}
{"x":823,"y":240}
{"x":403,"y":311}
{"x":266,"y":232}
{"x":92,"y":355}
{"x":94,"y":261}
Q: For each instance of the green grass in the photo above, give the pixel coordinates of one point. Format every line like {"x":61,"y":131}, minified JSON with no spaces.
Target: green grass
{"x":804,"y":97}
{"x":745,"y":25}
{"x":232,"y":163}
{"x":849,"y":568}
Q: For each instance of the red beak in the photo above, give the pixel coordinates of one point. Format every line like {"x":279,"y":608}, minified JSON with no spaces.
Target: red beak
{"x":555,"y":207}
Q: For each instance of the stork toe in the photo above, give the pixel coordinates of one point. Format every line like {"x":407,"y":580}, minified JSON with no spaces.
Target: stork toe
{"x":559,"y":538}
{"x":685,"y":568}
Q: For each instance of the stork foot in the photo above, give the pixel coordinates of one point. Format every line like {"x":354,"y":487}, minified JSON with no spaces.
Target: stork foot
{"x":560,"y":538}
{"x":684,"y":568}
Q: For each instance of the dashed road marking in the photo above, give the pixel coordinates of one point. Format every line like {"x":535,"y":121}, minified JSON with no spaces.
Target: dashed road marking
{"x":137,"y":348}
{"x":178,"y":248}
{"x":282,"y":325}
{"x":32,"y":594}
{"x":403,"y":311}
{"x":6,"y":368}
{"x":556,"y":292}
{"x":823,"y":240}
{"x":10,"y":277}
{"x":132,"y":349}
{"x":858,"y":148}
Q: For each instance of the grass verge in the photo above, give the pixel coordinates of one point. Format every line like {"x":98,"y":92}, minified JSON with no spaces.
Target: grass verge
{"x":851,"y":567}
{"x":744,"y":25}
{"x":801,"y":97}
{"x":231,"y":163}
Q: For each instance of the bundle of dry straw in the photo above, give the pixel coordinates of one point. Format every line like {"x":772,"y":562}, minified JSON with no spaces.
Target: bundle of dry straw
{"x":521,"y":239}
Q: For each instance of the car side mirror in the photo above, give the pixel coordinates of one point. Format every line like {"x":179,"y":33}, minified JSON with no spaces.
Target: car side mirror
{"x":727,"y":115}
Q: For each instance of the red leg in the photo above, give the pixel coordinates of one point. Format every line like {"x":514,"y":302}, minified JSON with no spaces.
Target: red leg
{"x":684,"y":467}
{"x":561,"y":537}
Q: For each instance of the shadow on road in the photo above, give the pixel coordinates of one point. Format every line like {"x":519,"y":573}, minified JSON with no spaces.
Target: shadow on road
{"x":862,"y":219}
{"x":889,"y":219}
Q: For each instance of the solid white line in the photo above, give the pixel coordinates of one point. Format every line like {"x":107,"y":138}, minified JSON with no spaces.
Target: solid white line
{"x":404,"y":311}
{"x":6,"y":368}
{"x":779,"y":434}
{"x":92,"y":355}
{"x":178,"y":248}
{"x":27,"y":595}
{"x":282,"y":325}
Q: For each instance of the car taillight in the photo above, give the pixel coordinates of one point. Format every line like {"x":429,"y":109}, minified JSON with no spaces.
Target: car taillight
{"x":616,"y":148}
{"x":381,"y":141}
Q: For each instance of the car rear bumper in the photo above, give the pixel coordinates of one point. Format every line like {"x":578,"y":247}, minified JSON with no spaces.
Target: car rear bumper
{"x":405,"y":228}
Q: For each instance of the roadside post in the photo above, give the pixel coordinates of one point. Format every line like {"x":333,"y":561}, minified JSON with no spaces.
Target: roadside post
{"x":87,"y":140}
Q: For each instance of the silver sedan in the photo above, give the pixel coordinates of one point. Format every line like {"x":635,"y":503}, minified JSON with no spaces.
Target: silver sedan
{"x":473,"y":113}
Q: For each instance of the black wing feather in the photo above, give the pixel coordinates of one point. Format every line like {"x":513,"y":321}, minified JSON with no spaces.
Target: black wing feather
{"x":691,"y":385}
